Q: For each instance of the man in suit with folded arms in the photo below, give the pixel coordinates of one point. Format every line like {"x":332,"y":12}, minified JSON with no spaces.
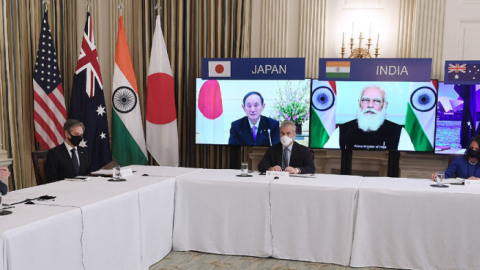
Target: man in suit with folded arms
{"x":254,"y":129}
{"x":4,"y":174}
{"x":288,"y":155}
{"x":68,"y":159}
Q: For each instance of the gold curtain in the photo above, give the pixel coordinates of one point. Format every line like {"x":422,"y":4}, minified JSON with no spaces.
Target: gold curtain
{"x":19,"y":36}
{"x":196,"y":29}
{"x":193,"y":29}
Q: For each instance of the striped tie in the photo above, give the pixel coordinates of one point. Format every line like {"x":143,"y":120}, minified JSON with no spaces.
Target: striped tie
{"x":285,"y":159}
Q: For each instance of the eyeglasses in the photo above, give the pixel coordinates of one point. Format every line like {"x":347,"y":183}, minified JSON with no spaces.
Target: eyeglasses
{"x":376,"y":101}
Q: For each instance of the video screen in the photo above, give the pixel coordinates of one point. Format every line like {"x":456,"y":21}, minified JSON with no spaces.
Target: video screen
{"x":387,"y":116}
{"x":249,"y":112}
{"x":450,"y":111}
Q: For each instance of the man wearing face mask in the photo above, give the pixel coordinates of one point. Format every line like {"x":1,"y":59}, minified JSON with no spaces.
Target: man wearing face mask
{"x":288,"y":155}
{"x":68,"y":159}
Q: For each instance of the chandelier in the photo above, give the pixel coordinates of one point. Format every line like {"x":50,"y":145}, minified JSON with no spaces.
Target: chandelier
{"x":359,"y":51}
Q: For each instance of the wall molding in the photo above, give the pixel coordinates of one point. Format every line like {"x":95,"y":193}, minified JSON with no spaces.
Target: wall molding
{"x":362,"y":4}
{"x":462,"y":36}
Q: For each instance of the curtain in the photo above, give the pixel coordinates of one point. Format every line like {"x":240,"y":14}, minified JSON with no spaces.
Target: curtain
{"x":196,"y":29}
{"x":193,"y":29}
{"x":19,"y":36}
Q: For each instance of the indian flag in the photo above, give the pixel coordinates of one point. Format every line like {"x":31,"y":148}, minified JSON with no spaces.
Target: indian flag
{"x":338,"y":69}
{"x":420,"y":117}
{"x":128,"y":141}
{"x":324,"y":96}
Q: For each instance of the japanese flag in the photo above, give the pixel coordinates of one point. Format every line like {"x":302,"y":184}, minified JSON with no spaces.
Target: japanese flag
{"x":219,"y":69}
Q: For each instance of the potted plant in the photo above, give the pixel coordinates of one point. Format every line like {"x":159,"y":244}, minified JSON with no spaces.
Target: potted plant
{"x":292,"y":103}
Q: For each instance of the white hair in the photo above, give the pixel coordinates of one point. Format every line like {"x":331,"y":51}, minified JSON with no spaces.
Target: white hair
{"x":370,"y":122}
{"x":288,"y":123}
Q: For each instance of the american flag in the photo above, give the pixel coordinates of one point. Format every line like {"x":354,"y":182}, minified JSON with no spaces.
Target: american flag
{"x":462,"y":72}
{"x":88,"y":101}
{"x":49,"y":103}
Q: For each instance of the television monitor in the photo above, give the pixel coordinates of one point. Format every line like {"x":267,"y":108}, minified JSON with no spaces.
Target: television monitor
{"x":228,"y":110}
{"x":367,"y":115}
{"x":450,"y":111}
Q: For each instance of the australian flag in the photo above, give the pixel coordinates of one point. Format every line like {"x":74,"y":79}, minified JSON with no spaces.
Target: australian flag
{"x":88,"y":102}
{"x":462,"y":72}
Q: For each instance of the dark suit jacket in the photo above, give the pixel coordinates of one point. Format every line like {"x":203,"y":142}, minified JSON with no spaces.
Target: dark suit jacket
{"x":59,"y":164}
{"x":3,"y":188}
{"x":299,"y":158}
{"x":241,"y":133}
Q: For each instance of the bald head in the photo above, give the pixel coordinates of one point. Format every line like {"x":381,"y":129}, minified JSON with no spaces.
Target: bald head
{"x":373,"y":97}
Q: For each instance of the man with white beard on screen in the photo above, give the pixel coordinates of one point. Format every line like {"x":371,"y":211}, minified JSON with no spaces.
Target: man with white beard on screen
{"x":370,"y":130}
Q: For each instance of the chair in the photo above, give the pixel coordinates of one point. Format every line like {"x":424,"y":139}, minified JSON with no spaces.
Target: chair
{"x":312,"y":152}
{"x":39,"y":158}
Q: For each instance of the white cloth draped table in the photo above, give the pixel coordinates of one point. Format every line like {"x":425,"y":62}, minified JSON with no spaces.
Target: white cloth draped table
{"x":313,"y":218}
{"x":217,"y":212}
{"x":405,"y":223}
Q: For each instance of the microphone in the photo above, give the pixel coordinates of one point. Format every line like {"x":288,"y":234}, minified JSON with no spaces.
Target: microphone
{"x":269,"y":137}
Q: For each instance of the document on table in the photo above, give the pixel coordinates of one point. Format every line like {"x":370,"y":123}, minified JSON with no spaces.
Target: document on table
{"x":304,"y":175}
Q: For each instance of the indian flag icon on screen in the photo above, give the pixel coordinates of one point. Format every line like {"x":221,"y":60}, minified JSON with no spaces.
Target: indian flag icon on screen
{"x":338,"y":69}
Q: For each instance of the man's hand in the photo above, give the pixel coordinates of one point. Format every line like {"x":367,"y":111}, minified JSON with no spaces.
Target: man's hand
{"x":473,"y":178}
{"x":291,"y":170}
{"x":4,"y":173}
{"x":275,"y":168}
{"x":434,"y":177}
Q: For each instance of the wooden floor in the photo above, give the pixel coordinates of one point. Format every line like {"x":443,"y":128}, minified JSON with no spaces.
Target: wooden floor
{"x":205,"y":261}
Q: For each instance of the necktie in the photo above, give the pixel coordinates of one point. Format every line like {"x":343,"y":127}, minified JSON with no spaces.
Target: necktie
{"x":285,"y":159}
{"x":75,"y":161}
{"x":254,"y":132}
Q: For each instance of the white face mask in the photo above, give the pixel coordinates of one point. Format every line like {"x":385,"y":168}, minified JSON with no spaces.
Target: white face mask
{"x":285,"y":140}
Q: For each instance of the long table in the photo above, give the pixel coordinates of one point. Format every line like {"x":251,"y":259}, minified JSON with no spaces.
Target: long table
{"x":346,"y":220}
{"x":405,"y":223}
{"x":303,"y":219}
{"x":92,"y":225}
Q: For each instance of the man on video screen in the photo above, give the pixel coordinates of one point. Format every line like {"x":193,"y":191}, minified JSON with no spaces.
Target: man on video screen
{"x":370,"y":130}
{"x":254,"y":129}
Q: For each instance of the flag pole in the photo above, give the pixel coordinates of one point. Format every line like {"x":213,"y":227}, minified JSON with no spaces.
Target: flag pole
{"x":46,"y":2}
{"x":120,"y":7}
{"x":88,"y":4}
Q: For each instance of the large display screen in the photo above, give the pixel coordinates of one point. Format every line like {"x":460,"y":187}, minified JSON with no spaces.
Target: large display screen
{"x":249,"y":112}
{"x":387,"y":116}
{"x":450,"y":111}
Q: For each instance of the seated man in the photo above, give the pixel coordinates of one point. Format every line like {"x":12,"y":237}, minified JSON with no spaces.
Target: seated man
{"x":254,"y":129}
{"x":371,"y":129}
{"x":68,"y":159}
{"x":4,"y":174}
{"x":287,"y":155}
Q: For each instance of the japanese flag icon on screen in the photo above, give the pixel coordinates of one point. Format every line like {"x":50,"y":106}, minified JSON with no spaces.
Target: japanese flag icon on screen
{"x":219,"y":69}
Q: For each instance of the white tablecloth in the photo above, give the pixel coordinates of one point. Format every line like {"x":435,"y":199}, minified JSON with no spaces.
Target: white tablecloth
{"x":405,"y":223}
{"x":218,"y":212}
{"x":41,"y":237}
{"x":126,"y":225}
{"x":313,"y":219}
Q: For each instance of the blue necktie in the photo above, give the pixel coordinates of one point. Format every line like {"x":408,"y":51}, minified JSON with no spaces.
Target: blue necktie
{"x":75,"y":162}
{"x":285,"y":159}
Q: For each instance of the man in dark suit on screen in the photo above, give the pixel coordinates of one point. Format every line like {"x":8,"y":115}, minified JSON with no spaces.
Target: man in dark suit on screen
{"x":68,"y":159}
{"x":254,"y":129}
{"x":288,"y":156}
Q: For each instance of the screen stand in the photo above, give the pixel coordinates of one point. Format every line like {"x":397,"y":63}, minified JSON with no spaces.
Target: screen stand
{"x":393,"y":164}
{"x":346,"y":166}
{"x":235,"y":156}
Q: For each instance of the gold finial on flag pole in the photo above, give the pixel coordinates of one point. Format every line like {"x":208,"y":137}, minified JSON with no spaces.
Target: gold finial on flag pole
{"x":158,"y":8}
{"x":46,"y":3}
{"x":120,"y":7}
{"x":88,"y":4}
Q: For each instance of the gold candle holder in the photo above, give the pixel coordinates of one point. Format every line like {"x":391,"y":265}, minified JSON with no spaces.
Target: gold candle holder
{"x":342,"y":51}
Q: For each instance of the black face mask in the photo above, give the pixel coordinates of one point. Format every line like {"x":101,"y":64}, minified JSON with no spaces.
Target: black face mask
{"x":75,"y":140}
{"x":472,"y":153}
